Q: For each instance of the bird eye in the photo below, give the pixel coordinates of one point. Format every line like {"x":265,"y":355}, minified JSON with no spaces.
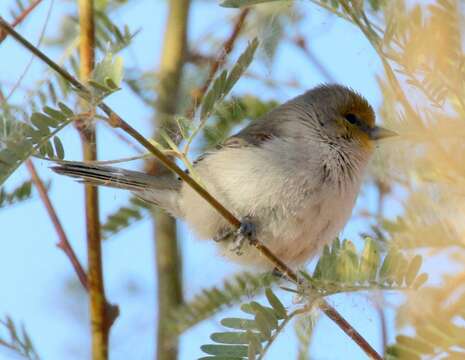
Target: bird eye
{"x":353,"y":119}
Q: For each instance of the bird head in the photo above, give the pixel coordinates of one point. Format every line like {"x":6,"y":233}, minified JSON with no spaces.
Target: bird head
{"x":345,"y":117}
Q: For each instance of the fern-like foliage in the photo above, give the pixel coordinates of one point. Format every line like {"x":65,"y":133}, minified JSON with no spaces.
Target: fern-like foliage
{"x":433,"y":341}
{"x":435,"y":319}
{"x":249,"y":337}
{"x":211,"y":301}
{"x":17,"y":340}
{"x":124,"y":217}
{"x":106,"y":78}
{"x":109,"y":37}
{"x":232,"y":113}
{"x":226,"y":80}
{"x":220,"y":87}
{"x":20,"y":140}
{"x":20,"y":193}
{"x":341,"y":269}
{"x":215,"y":94}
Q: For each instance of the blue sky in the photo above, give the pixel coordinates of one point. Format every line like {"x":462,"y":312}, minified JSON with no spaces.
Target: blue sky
{"x":37,"y":283}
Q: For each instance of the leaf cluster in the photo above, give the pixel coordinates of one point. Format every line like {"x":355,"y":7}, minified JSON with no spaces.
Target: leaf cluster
{"x":438,"y":324}
{"x":250,"y":337}
{"x":226,"y":80}
{"x":20,"y":193}
{"x":232,"y":113}
{"x":18,"y":340}
{"x":211,"y":301}
{"x":19,"y":140}
{"x":108,"y":36}
{"x":340,"y":268}
{"x":106,"y":78}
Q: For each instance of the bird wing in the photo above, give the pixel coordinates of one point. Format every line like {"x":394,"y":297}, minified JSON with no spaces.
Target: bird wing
{"x":254,"y":134}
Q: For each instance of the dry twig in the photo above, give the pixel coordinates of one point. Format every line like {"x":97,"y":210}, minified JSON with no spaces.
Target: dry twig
{"x":63,"y":242}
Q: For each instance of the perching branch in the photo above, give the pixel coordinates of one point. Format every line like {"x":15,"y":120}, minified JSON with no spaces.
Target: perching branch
{"x":115,"y":120}
{"x":63,"y":242}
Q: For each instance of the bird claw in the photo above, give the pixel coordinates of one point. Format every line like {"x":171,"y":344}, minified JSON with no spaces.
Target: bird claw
{"x":223,"y":235}
{"x":246,"y":232}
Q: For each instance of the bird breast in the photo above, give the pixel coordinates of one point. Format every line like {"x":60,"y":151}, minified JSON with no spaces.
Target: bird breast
{"x":282,"y":188}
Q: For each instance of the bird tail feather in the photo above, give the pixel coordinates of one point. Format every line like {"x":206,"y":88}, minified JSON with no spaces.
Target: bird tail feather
{"x":160,"y":190}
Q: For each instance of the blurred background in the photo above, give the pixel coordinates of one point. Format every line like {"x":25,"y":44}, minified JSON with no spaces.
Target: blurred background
{"x":406,"y":58}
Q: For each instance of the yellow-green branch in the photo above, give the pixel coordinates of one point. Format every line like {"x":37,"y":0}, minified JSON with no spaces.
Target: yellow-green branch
{"x":99,"y":308}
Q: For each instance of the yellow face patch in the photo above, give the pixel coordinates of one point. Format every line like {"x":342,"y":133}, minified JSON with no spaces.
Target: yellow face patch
{"x":358,"y":119}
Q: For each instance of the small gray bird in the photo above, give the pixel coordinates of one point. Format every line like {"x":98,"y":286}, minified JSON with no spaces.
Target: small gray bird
{"x":293,"y":176}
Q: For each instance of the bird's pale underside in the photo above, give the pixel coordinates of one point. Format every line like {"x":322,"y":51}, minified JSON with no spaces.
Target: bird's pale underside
{"x":295,"y":174}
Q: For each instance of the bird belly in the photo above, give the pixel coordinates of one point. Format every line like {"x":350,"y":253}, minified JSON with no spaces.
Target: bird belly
{"x":295,"y":216}
{"x":297,"y":239}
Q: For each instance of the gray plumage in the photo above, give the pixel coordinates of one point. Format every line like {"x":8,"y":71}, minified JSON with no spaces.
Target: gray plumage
{"x":296,"y":173}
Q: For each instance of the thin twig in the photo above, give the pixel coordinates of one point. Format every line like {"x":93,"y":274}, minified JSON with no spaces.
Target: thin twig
{"x":374,"y":40}
{"x":276,"y":333}
{"x":39,"y":42}
{"x":115,"y":120}
{"x":63,"y":242}
{"x":20,"y":18}
{"x":301,"y":43}
{"x":334,"y":315}
{"x":225,"y":51}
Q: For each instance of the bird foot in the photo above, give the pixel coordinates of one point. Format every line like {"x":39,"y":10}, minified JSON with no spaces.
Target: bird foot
{"x":223,"y":235}
{"x":246,"y":232}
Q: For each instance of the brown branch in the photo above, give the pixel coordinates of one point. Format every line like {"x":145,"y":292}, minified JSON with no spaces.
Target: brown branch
{"x":63,"y":242}
{"x":115,"y":120}
{"x":225,"y":51}
{"x":102,"y":314}
{"x":20,"y":18}
{"x":334,"y":315}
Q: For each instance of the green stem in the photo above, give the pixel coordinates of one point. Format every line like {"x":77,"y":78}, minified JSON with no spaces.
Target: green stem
{"x":276,"y":333}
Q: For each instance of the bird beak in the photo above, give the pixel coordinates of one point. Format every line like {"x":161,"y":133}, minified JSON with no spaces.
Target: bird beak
{"x":378,"y":133}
